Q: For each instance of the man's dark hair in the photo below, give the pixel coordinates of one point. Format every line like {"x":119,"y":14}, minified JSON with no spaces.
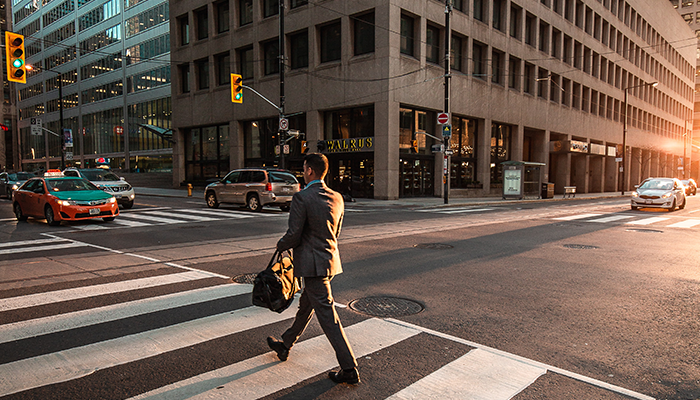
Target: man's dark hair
{"x":317,"y":162}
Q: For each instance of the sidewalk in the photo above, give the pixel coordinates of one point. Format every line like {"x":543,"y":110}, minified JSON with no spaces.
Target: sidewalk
{"x":405,"y":202}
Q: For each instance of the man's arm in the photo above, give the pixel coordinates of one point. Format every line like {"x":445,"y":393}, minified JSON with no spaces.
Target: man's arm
{"x":297,"y":220}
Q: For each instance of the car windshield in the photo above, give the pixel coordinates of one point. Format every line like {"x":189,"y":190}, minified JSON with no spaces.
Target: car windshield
{"x":685,"y":182}
{"x":657,"y":185}
{"x":276,"y":176}
{"x":20,"y":176}
{"x":100,"y":175}
{"x":70,"y":185}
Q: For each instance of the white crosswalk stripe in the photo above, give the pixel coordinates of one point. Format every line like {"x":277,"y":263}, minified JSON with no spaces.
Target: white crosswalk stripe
{"x":454,"y":210}
{"x":632,"y":220}
{"x":29,"y":246}
{"x":479,"y":372}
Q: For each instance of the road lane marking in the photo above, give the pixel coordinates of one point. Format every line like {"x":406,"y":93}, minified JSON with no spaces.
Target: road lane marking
{"x":476,"y":375}
{"x":264,"y":375}
{"x":77,"y":319}
{"x":577,"y":216}
{"x":647,"y":221}
{"x":81,"y":361}
{"x":126,"y":222}
{"x":181,"y":215}
{"x":220,"y":213}
{"x":612,"y":218}
{"x":146,"y":217}
{"x":43,"y":248}
{"x":31,"y":242}
{"x":689,"y":223}
{"x":37,"y":299}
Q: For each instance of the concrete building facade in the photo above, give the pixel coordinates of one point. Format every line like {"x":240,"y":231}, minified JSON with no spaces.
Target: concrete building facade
{"x":535,"y":81}
{"x":111,"y":62}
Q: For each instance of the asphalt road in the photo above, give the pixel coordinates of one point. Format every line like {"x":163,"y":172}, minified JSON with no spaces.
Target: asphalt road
{"x":574,"y":299}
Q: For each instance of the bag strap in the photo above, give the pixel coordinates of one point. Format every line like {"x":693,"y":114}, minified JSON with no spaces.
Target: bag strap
{"x":276,"y":256}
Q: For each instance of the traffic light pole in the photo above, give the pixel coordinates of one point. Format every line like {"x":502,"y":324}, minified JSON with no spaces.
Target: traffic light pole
{"x":60,"y":116}
{"x":446,"y":140}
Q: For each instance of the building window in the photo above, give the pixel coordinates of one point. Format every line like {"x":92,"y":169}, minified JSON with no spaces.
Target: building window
{"x":497,"y":60}
{"x":514,"y":73}
{"x":202,"y":17}
{"x":246,"y":66}
{"x":542,"y":83}
{"x":245,"y":12}
{"x":479,"y":60}
{"x":463,"y":144}
{"x":479,"y":10}
{"x":458,"y":5}
{"x":299,"y":3}
{"x":500,"y":150}
{"x":299,"y":43}
{"x":432,"y":39}
{"x":270,"y":8}
{"x":222,"y":17}
{"x":456,"y":53}
{"x":271,"y":57}
{"x":184,"y":78}
{"x":407,"y":33}
{"x":529,"y":78}
{"x":364,"y":33}
{"x":498,"y":14}
{"x":223,"y":69}
{"x":202,"y":68}
{"x":330,"y":42}
{"x":516,"y":15}
{"x":530,"y":21}
{"x":544,"y":36}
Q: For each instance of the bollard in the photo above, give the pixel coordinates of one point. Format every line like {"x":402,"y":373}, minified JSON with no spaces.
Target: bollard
{"x":189,"y":190}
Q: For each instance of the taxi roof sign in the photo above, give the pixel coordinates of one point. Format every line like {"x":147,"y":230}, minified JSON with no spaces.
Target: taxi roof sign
{"x":53,"y":172}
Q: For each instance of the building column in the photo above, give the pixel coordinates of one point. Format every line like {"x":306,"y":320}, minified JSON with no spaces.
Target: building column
{"x":386,"y":150}
{"x":597,"y":173}
{"x":654,"y":164}
{"x":634,"y":168}
{"x":179,"y":174}
{"x":483,"y":151}
{"x":236,"y":137}
{"x":540,"y":152}
{"x":517,"y":142}
{"x":612,"y":174}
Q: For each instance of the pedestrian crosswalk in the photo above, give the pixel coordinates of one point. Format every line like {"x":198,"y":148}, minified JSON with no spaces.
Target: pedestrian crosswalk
{"x":633,"y":219}
{"x":209,"y":342}
{"x":455,"y":210}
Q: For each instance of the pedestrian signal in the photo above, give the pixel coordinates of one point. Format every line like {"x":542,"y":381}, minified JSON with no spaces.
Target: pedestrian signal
{"x":236,"y":88}
{"x":14,"y":51}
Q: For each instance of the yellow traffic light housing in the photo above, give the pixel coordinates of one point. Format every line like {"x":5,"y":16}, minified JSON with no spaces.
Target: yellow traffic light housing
{"x":236,"y":88}
{"x":414,"y":145}
{"x":14,"y":51}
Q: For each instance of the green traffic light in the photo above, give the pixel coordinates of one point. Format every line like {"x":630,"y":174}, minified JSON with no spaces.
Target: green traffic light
{"x":17,"y":63}
{"x":239,"y":96}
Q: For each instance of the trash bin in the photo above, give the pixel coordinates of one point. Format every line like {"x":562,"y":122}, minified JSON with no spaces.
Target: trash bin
{"x":547,"y":190}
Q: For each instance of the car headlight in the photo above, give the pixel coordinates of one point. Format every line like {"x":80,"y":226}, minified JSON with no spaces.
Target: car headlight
{"x":15,"y":186}
{"x":66,"y":202}
{"x":112,"y":200}
{"x":667,"y":195}
{"x":635,"y":194}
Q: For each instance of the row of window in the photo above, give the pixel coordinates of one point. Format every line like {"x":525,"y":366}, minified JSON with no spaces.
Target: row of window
{"x":58,"y":12}
{"x":59,"y":35}
{"x":148,"y":80}
{"x":147,"y":19}
{"x":683,"y":3}
{"x":99,"y":14}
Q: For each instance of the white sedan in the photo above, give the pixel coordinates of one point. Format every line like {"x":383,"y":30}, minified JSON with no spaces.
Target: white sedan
{"x":667,"y":193}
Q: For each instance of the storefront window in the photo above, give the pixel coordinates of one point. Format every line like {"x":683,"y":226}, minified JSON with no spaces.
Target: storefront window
{"x":416,"y":167}
{"x":501,"y":136}
{"x":463,"y":162}
{"x":261,"y":138}
{"x":350,"y":123}
{"x":207,"y":154}
{"x":412,"y":126}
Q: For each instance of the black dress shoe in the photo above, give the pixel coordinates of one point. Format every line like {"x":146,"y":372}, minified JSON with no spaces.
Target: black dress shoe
{"x":279,"y":347}
{"x":345,"y":376}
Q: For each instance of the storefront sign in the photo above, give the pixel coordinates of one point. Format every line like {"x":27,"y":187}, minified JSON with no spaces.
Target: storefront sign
{"x":568,"y":146}
{"x":350,"y":145}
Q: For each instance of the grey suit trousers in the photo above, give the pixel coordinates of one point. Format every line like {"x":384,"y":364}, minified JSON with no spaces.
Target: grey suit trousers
{"x":317,"y":297}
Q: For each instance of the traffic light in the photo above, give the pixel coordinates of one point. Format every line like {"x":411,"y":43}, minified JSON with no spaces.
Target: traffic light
{"x":4,"y":127}
{"x":304,"y":147}
{"x":236,"y":88}
{"x":14,"y":50}
{"x":414,"y":145}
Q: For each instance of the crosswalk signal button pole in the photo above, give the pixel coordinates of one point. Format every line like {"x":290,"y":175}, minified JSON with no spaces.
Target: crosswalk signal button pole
{"x":236,"y":88}
{"x":14,"y":51}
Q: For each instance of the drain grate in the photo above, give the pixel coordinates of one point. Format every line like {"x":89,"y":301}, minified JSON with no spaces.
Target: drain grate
{"x":386,"y":306}
{"x":245,"y":278}
{"x":433,"y":246}
{"x":580,"y":246}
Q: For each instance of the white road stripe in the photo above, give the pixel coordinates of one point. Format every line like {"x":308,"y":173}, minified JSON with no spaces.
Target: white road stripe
{"x":126,"y":222}
{"x":612,"y":218}
{"x":143,"y":216}
{"x":478,"y":375}
{"x":13,"y":303}
{"x":31,"y":242}
{"x":689,"y":223}
{"x":578,"y":216}
{"x":81,"y":361}
{"x":263,"y":375}
{"x":42,"y":248}
{"x":465,"y":210}
{"x":63,"y":322}
{"x":180,"y":214}
{"x":647,"y":221}
{"x":218,"y":213}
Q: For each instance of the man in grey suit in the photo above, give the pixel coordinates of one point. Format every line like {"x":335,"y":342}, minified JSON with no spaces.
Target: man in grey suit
{"x":315,"y":218}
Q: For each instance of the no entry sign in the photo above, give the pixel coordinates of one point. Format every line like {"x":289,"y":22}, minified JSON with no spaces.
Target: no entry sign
{"x":443,"y":118}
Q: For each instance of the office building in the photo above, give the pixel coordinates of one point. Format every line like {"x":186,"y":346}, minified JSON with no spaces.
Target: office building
{"x":535,"y":81}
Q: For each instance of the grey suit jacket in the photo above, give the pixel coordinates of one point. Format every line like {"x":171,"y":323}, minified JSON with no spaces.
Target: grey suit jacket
{"x":315,"y":218}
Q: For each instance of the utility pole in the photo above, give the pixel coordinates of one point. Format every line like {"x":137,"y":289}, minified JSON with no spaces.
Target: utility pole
{"x":282,"y":132}
{"x":446,"y":140}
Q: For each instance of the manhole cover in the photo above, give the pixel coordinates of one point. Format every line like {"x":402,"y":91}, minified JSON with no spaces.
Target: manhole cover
{"x":245,"y":278}
{"x":433,"y":246}
{"x":580,"y":246}
{"x":644,"y":230}
{"x":386,"y":306}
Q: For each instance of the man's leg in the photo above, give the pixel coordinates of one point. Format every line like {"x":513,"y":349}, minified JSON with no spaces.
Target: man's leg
{"x":320,"y":298}
{"x":301,"y":321}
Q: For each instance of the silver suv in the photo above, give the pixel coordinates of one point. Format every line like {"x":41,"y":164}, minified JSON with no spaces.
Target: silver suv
{"x":254,"y":187}
{"x":108,"y":181}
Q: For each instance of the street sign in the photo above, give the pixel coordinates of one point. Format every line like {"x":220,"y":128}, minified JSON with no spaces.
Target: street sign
{"x":286,"y":149}
{"x":443,"y":118}
{"x":447,"y":131}
{"x":277,"y":150}
{"x":449,"y":152}
{"x":68,"y":137}
{"x":618,"y":159}
{"x":69,"y":156}
{"x":35,"y":126}
{"x":284,"y":124}
{"x":437,"y":148}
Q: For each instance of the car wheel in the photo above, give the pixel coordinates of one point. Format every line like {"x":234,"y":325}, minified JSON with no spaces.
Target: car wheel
{"x":18,"y":213}
{"x":50,"y":217}
{"x":211,"y":200}
{"x":635,"y":207}
{"x":284,"y":208}
{"x":253,"y":203}
{"x":673,"y":206}
{"x":128,"y":204}
{"x":682,"y":206}
{"x":108,"y":219}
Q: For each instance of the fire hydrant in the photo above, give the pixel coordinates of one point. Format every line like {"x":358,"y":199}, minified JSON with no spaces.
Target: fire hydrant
{"x":189,"y":190}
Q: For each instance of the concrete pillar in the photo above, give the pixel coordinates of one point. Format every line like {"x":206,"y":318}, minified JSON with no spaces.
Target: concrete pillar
{"x":597,"y":174}
{"x":635,"y":168}
{"x":178,"y":157}
{"x":517,"y":142}
{"x":612,"y":174}
{"x":654,"y":164}
{"x":386,"y":150}
{"x":236,"y":139}
{"x":540,"y":152}
{"x":484,"y":154}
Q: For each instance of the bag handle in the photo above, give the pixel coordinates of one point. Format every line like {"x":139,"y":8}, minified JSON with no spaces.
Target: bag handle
{"x":276,"y":257}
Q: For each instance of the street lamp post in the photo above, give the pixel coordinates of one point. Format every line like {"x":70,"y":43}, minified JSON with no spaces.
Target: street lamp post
{"x":623,"y":169}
